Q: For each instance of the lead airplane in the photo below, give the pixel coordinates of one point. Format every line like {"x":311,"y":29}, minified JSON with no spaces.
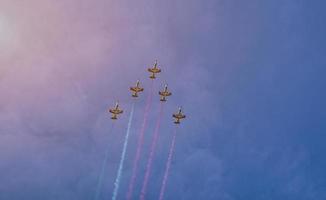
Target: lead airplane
{"x":115,"y":111}
{"x":178,"y":116}
{"x":154,"y":70}
{"x":136,"y":89}
{"x":165,"y":93}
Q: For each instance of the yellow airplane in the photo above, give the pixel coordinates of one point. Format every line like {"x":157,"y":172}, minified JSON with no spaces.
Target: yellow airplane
{"x":178,"y":116}
{"x":115,"y":111}
{"x":165,"y":93}
{"x":154,"y":70}
{"x":136,"y":89}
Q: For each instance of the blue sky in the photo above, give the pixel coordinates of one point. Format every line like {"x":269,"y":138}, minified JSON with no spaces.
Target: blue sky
{"x":249,"y":75}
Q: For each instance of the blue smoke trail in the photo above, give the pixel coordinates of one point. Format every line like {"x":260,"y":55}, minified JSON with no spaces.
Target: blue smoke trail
{"x":123,"y":155}
{"x":100,"y":178}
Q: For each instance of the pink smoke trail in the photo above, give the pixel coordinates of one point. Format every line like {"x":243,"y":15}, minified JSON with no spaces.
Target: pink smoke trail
{"x":168,"y":165}
{"x":151,"y":154}
{"x":140,"y":143}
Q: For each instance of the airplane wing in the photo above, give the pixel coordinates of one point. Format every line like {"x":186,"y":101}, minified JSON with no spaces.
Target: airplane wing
{"x":132,"y":89}
{"x":179,"y":116}
{"x":115,"y":111}
{"x":156,"y":70}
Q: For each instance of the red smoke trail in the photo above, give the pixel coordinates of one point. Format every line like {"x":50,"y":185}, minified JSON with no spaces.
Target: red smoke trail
{"x":151,"y":154}
{"x":168,"y":165}
{"x":140,"y":143}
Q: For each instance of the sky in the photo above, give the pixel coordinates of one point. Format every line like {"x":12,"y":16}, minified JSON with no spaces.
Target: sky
{"x":250,"y":76}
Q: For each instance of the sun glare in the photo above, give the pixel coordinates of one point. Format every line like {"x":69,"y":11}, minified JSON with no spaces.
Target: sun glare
{"x":1,"y":26}
{"x":3,"y":34}
{"x":8,"y":37}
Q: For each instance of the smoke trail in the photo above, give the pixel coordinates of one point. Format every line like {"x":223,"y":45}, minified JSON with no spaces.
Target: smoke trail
{"x":100,"y":178}
{"x":168,"y":165}
{"x":140,"y":143}
{"x":123,"y":155}
{"x":151,"y":154}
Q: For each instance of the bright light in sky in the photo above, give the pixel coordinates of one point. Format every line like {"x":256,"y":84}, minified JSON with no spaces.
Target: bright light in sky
{"x":8,"y":37}
{"x":3,"y":27}
{"x":8,"y":44}
{"x":7,"y":34}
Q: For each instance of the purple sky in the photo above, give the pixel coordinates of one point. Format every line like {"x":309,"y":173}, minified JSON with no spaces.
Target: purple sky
{"x":249,"y":74}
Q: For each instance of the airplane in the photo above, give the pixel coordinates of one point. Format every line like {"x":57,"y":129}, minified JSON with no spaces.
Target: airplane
{"x":165,"y":93}
{"x":115,"y":111}
{"x":178,"y":116}
{"x":136,"y":89}
{"x":154,"y":70}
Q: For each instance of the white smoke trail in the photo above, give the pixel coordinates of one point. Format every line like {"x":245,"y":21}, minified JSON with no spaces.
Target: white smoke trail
{"x":168,"y":165}
{"x":123,"y":155}
{"x":100,"y":178}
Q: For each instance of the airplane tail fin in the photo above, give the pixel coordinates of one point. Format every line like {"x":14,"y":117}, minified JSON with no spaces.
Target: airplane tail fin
{"x":134,"y":94}
{"x":152,"y":76}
